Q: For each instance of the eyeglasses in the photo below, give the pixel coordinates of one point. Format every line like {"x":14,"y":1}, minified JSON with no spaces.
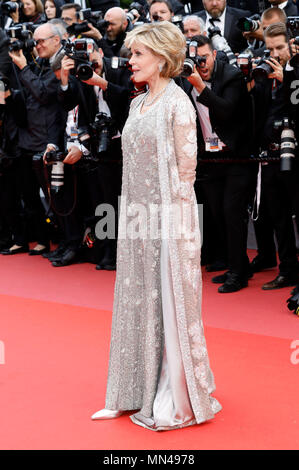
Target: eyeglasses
{"x":66,"y":19}
{"x":40,"y":42}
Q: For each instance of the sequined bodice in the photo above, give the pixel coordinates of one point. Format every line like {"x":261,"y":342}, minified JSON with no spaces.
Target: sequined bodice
{"x":140,"y":158}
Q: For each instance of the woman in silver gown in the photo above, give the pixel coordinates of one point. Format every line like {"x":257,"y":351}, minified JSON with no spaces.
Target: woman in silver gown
{"x":159,"y":364}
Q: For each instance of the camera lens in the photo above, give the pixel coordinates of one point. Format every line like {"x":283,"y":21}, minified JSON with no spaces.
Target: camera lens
{"x":84,"y":72}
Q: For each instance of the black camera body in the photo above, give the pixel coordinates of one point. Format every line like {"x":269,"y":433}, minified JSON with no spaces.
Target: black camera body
{"x":88,"y":16}
{"x":53,"y":157}
{"x":263,"y":70}
{"x":249,"y":24}
{"x":21,"y":37}
{"x":135,"y":9}
{"x":294,"y":62}
{"x":192,"y":58}
{"x":97,"y":138}
{"x":79,"y":50}
{"x":178,"y":21}
{"x":293,"y":25}
{"x":6,"y":8}
{"x":119,"y":62}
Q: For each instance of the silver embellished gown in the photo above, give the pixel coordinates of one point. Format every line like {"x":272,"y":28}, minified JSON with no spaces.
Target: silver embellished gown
{"x":159,"y":363}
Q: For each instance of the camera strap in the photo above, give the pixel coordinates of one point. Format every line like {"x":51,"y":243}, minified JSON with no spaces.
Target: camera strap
{"x":51,"y":203}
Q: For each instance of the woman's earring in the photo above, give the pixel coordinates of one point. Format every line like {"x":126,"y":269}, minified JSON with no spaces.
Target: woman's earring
{"x":160,"y":67}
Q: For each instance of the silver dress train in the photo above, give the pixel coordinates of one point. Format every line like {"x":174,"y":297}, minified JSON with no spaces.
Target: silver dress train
{"x":158,"y":357}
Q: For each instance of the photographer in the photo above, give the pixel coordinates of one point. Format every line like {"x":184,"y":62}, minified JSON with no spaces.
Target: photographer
{"x":107,"y":94}
{"x":116,"y":30}
{"x":217,"y":14}
{"x":269,"y":16}
{"x":161,"y":10}
{"x":32,"y":11}
{"x":223,"y":106}
{"x":9,"y":13}
{"x":272,"y":100}
{"x":44,"y":123}
{"x":12,"y":114}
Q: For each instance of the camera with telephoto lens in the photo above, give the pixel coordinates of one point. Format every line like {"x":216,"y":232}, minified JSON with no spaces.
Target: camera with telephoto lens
{"x":287,"y":144}
{"x":55,"y":159}
{"x":135,"y":10}
{"x":6,"y":8}
{"x":249,"y":24}
{"x":263,"y":70}
{"x":220,"y":44}
{"x":79,"y":51}
{"x":192,"y":58}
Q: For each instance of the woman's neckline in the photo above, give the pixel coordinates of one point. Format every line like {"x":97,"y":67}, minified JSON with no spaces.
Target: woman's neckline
{"x":152,"y":106}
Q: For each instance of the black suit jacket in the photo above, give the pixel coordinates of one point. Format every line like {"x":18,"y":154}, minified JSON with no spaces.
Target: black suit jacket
{"x":232,"y":33}
{"x":116,"y":96}
{"x":230,"y":108}
{"x":291,"y":9}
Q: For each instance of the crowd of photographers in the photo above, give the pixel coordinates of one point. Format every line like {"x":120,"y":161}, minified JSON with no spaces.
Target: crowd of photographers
{"x":66,"y":89}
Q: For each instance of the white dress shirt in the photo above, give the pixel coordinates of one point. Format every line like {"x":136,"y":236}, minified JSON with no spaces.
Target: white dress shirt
{"x":220,"y":24}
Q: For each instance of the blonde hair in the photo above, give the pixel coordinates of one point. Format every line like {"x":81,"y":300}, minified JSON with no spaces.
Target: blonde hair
{"x":165,"y":40}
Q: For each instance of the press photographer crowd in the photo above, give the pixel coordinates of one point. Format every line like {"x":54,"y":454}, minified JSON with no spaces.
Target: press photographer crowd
{"x":65,"y":92}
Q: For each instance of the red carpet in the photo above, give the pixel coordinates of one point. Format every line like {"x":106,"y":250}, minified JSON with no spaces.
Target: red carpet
{"x":56,"y":358}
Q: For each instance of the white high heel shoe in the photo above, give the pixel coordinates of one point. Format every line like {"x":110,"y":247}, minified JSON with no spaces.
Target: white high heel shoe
{"x":107,"y":414}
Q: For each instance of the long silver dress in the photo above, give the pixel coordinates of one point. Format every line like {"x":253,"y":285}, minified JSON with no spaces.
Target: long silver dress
{"x":158,"y":357}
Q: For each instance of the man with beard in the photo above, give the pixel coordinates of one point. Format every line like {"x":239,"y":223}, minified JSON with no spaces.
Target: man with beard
{"x":218,"y":14}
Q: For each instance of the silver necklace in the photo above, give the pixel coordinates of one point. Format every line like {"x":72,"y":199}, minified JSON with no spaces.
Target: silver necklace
{"x":154,"y":98}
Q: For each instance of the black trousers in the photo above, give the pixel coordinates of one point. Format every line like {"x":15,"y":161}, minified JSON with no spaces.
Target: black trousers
{"x":27,"y":214}
{"x":278,"y":190}
{"x":226,"y":189}
{"x":67,"y":204}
